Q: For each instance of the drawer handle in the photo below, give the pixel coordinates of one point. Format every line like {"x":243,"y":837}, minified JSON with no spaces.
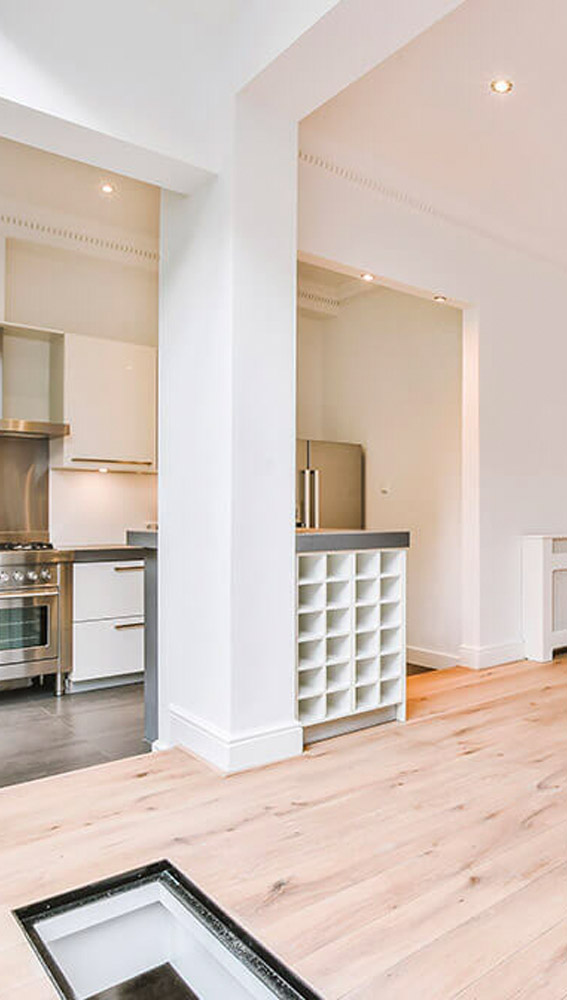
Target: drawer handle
{"x":128,"y":569}
{"x":129,"y":625}
{"x":115,"y":461}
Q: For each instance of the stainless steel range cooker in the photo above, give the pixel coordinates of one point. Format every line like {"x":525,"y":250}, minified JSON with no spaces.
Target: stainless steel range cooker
{"x":35,"y":612}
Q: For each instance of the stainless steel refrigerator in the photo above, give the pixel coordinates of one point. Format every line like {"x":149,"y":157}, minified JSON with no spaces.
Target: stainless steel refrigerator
{"x":330,"y":485}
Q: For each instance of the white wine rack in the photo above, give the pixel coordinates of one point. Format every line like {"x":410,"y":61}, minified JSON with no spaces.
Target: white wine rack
{"x":351,"y":637}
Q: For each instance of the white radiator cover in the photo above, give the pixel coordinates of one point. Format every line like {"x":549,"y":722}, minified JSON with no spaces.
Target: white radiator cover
{"x":544,"y":595}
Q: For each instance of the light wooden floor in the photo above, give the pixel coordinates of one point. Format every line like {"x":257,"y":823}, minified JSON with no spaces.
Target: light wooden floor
{"x":424,"y":861}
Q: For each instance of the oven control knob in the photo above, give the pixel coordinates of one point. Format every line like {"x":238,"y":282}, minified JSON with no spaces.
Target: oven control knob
{"x":18,"y":576}
{"x":4,"y":577}
{"x":45,"y":574}
{"x":31,"y":575}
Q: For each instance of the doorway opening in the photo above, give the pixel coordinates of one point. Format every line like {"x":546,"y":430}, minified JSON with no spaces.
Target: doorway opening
{"x":381,"y":369}
{"x":78,"y":462}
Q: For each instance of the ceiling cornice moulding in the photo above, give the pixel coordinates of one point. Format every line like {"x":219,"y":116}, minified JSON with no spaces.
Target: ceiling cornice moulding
{"x":366,"y":183}
{"x":397,"y":196}
{"x":317,"y":300}
{"x":46,"y":226}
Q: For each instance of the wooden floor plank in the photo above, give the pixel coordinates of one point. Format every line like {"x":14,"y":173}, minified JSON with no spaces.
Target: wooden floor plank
{"x":536,"y":972}
{"x":431,"y":914}
{"x":423,"y":860}
{"x":431,"y":698}
{"x":475,"y":946}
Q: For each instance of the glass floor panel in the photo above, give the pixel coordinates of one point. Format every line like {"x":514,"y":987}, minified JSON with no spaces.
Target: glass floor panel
{"x":152,"y":934}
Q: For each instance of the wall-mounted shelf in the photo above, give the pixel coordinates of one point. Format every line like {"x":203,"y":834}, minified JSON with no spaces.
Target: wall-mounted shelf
{"x":30,"y":371}
{"x":351,"y":637}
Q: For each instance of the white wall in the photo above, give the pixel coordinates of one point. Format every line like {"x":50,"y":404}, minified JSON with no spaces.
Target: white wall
{"x":517,"y":482}
{"x":311,"y":331}
{"x":386,"y":372}
{"x":64,"y":290}
{"x":71,"y":275}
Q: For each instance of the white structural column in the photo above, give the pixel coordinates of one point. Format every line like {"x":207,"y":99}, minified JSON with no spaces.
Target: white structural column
{"x":226,"y":456}
{"x":263,"y":437}
{"x":227,"y":407}
{"x":194,"y":455}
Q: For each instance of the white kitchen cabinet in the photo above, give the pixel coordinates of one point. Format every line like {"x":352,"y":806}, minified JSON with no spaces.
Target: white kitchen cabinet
{"x":107,"y":649}
{"x":108,"y":590}
{"x":109,"y":400}
{"x":108,"y":624}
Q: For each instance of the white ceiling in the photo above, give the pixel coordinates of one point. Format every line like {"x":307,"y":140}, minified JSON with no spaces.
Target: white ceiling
{"x":335,"y":281}
{"x":144,"y":86}
{"x":426,"y":121}
{"x":215,"y":11}
{"x":35,"y":179}
{"x":323,"y":290}
{"x":147,"y":87}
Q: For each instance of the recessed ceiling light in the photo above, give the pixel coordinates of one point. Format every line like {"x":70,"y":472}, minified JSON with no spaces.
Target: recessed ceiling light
{"x":102,"y":469}
{"x":367,"y":276}
{"x":107,"y":188}
{"x":439,"y":298}
{"x":501,"y":86}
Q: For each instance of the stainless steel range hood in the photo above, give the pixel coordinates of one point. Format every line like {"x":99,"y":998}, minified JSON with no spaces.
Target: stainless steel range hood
{"x":17,"y":426}
{"x":32,"y":428}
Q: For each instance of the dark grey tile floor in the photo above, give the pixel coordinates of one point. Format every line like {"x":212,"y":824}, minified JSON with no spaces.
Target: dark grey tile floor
{"x":42,"y":735}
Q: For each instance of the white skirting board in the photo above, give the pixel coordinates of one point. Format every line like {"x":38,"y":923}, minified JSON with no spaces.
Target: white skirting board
{"x":473,"y":657}
{"x":431,"y":658}
{"x":481,"y":657}
{"x":238,"y":752}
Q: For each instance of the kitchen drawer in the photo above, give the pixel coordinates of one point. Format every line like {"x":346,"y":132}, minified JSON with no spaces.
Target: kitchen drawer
{"x":108,"y":590}
{"x":107,"y":649}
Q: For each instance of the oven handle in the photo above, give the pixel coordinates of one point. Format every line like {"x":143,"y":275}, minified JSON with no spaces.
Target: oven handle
{"x":28,"y":593}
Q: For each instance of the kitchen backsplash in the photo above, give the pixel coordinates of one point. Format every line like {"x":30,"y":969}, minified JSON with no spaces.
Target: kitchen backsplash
{"x":92,"y":508}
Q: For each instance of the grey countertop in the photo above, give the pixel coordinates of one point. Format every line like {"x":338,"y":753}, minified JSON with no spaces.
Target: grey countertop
{"x":312,"y":540}
{"x":74,"y":554}
{"x":101,"y":553}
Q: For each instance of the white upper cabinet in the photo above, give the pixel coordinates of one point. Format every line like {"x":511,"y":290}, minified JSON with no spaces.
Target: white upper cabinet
{"x":109,"y":399}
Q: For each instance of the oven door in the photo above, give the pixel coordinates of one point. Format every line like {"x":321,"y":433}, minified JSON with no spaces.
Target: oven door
{"x":29,"y":627}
